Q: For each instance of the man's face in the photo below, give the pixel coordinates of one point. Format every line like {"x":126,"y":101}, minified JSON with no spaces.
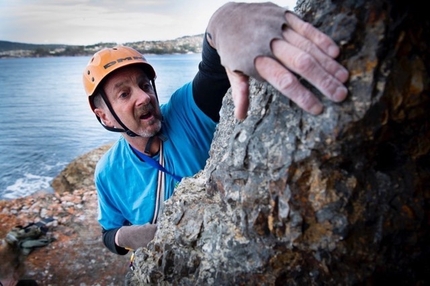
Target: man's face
{"x":133,"y":99}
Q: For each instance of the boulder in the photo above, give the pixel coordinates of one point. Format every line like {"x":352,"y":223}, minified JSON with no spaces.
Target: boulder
{"x":287,"y":198}
{"x":79,"y":174}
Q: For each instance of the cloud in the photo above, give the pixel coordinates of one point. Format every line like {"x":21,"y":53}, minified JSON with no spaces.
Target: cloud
{"x":92,"y":21}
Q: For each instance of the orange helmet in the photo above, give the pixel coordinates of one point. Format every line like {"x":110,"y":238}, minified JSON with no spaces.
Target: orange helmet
{"x":107,"y":60}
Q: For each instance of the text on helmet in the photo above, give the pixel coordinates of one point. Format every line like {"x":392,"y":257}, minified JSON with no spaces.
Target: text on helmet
{"x":108,"y":65}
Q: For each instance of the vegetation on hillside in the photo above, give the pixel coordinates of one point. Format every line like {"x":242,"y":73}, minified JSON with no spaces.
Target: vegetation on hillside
{"x":183,"y":45}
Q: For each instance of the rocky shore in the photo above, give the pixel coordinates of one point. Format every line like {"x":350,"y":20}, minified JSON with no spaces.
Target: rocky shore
{"x":76,"y":256}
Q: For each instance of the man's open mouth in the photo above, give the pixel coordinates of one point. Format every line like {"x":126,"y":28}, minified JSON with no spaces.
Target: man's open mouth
{"x":146,"y":115}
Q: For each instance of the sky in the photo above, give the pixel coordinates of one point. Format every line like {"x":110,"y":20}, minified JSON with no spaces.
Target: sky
{"x":87,"y":22}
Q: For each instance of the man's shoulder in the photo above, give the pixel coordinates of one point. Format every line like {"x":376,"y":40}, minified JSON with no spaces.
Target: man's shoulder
{"x":181,"y":105}
{"x":182,"y":94}
{"x":112,"y":155}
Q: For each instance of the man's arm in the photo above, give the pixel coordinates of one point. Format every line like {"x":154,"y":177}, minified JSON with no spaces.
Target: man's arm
{"x":109,"y":241}
{"x":121,"y":240}
{"x":210,"y":83}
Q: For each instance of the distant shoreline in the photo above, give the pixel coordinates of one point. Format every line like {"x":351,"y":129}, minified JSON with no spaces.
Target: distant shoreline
{"x":183,"y":45}
{"x":89,"y":55}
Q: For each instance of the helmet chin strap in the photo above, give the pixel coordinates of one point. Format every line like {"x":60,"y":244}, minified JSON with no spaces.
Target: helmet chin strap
{"x":124,"y":128}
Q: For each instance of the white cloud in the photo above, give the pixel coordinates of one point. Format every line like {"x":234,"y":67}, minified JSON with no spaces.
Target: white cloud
{"x":92,"y":21}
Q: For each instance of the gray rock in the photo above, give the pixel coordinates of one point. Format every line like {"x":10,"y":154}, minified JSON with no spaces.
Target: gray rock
{"x":292,"y":199}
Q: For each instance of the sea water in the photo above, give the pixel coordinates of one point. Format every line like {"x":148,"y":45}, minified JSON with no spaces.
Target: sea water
{"x":45,"y":119}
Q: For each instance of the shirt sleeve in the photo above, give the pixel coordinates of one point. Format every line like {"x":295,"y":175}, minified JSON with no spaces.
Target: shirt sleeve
{"x":210,"y":83}
{"x":109,"y":242}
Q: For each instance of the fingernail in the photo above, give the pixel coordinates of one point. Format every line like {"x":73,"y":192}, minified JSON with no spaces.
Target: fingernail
{"x":342,"y":75}
{"x":239,"y":116}
{"x":316,"y":109}
{"x":333,"y":51}
{"x":340,"y":94}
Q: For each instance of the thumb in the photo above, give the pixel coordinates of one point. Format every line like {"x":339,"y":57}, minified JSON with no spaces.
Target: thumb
{"x":240,"y":92}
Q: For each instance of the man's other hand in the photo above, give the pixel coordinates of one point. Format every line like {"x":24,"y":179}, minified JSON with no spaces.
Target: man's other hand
{"x":305,"y":51}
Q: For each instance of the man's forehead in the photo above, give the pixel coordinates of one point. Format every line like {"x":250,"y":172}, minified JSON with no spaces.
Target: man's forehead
{"x":126,"y":74}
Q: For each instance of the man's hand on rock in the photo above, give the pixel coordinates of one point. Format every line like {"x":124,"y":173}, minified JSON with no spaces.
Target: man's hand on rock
{"x":135,"y":236}
{"x":272,"y":45}
{"x":307,"y":52}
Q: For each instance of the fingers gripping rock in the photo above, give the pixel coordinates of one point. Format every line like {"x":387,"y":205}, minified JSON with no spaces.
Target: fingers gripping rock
{"x":241,"y":32}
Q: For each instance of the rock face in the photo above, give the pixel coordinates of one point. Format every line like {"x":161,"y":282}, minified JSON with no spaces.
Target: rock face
{"x":292,"y":199}
{"x":79,"y":173}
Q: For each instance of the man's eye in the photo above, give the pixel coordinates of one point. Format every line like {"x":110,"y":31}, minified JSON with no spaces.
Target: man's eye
{"x":146,"y":87}
{"x":123,"y":94}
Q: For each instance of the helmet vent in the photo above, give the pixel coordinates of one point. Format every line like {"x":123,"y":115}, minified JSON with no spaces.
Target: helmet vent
{"x":92,"y":79}
{"x":88,"y":72}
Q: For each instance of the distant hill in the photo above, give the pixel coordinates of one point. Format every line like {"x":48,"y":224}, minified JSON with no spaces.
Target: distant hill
{"x":10,"y":46}
{"x":182,"y":45}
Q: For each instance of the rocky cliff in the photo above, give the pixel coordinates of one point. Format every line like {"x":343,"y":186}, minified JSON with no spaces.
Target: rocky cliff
{"x":292,"y":199}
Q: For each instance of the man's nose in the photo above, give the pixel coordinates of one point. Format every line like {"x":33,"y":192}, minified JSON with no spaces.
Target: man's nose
{"x":143,"y":98}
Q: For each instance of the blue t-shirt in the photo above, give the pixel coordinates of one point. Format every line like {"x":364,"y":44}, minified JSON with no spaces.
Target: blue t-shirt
{"x":127,"y":186}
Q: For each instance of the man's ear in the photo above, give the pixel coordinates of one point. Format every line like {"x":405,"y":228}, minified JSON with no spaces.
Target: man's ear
{"x":104,"y":117}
